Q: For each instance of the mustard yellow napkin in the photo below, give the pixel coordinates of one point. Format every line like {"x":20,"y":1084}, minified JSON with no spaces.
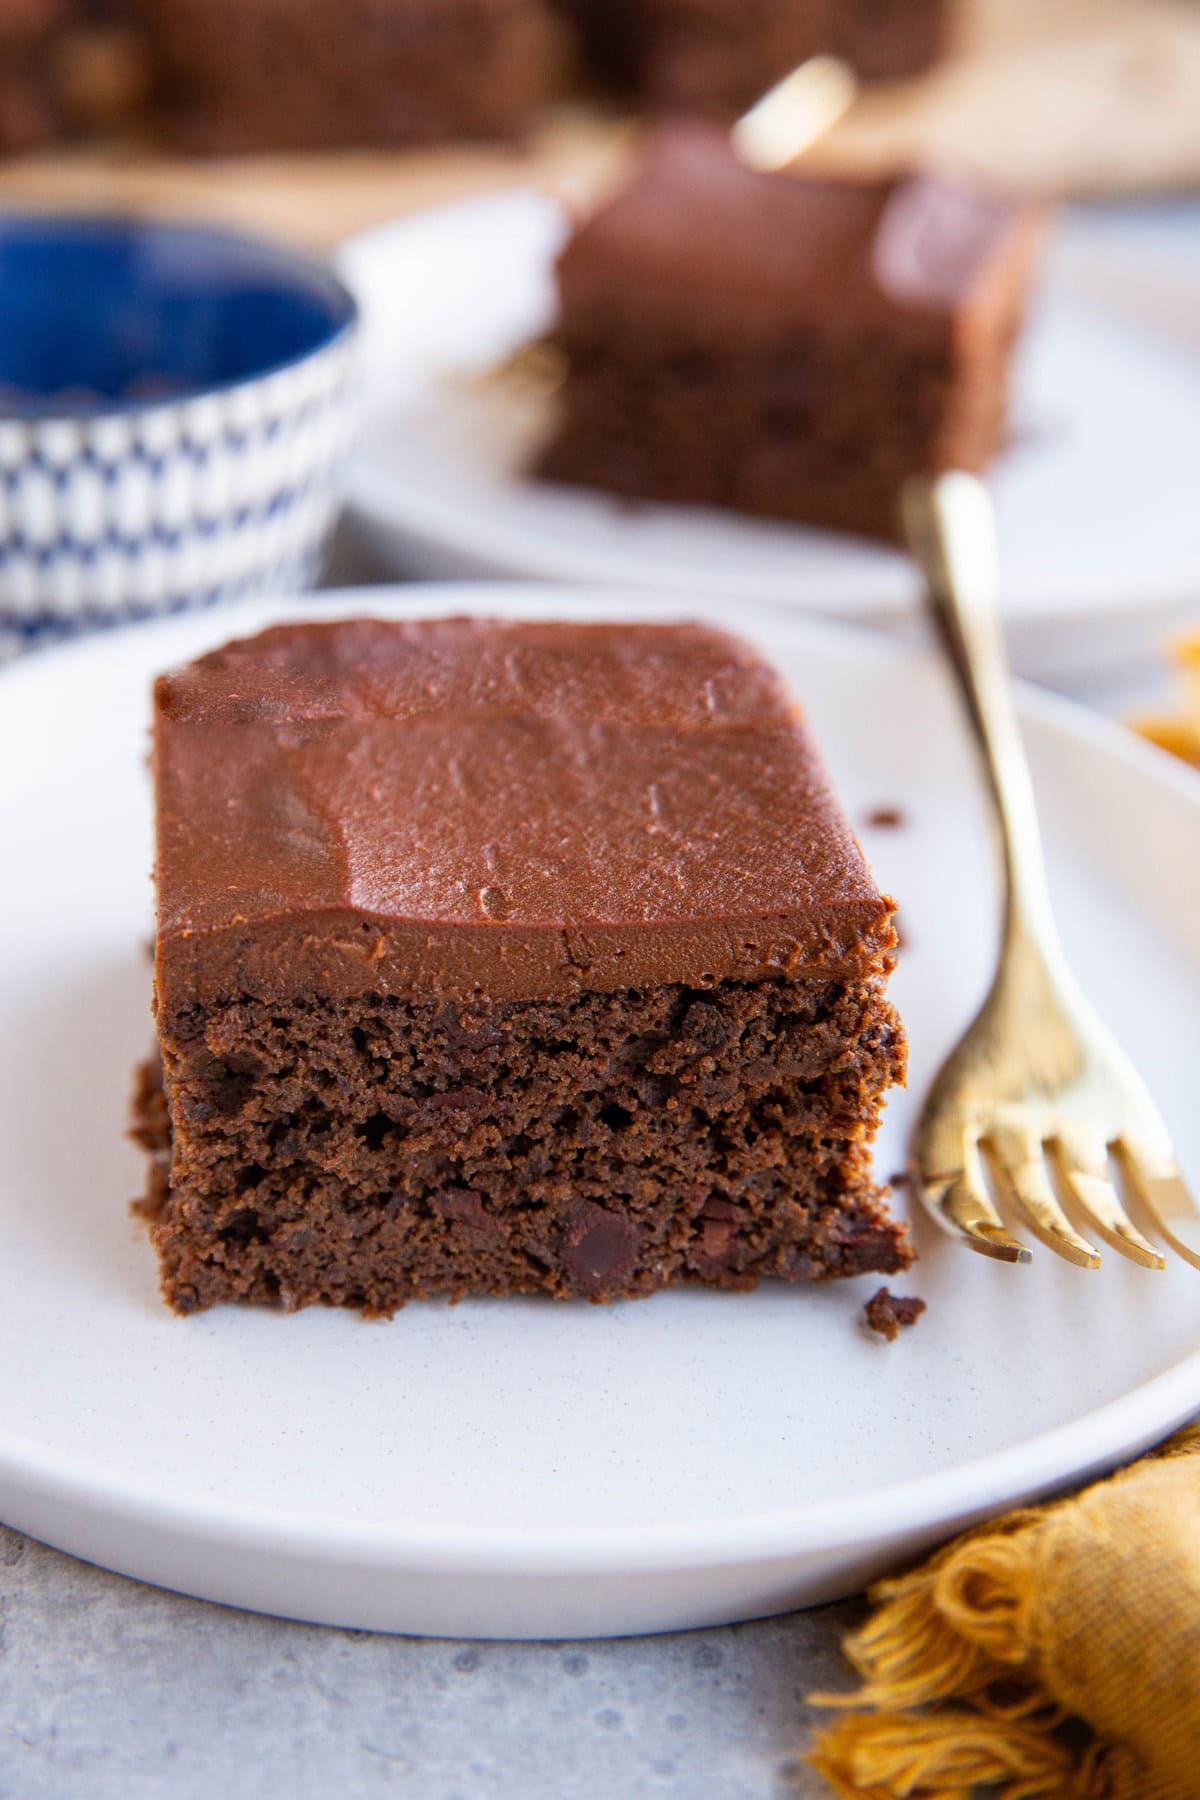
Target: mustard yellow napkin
{"x":1054,"y":1654}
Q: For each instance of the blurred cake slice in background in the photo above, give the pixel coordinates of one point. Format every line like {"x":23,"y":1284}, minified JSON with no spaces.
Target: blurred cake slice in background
{"x":30,"y":114}
{"x":717,"y":56}
{"x":247,"y":75}
{"x":68,"y":68}
{"x":782,"y":345}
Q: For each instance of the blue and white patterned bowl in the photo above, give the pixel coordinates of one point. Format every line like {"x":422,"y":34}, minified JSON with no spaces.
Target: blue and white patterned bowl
{"x":176,"y":405}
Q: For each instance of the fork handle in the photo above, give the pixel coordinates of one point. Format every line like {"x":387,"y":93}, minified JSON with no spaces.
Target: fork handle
{"x":952,"y":533}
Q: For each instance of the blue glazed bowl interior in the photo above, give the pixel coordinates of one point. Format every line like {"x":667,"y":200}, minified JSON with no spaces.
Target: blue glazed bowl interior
{"x":99,"y":315}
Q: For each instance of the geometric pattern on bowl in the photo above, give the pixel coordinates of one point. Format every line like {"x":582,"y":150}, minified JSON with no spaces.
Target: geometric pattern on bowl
{"x":215,"y":496}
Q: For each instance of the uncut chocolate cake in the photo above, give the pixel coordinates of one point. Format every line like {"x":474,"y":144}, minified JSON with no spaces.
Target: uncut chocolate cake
{"x":718,"y":56}
{"x":67,"y":67}
{"x":784,"y":345}
{"x":497,"y":957}
{"x":246,"y":75}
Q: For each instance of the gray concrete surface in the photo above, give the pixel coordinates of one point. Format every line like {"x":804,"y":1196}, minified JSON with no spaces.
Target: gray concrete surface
{"x":114,"y":1691}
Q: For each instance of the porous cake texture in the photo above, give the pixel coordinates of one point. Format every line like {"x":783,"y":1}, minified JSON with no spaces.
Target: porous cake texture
{"x":501,"y":957}
{"x":786,"y":346}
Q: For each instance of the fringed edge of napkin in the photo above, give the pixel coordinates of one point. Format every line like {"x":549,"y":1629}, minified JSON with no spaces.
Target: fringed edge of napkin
{"x":950,"y":1702}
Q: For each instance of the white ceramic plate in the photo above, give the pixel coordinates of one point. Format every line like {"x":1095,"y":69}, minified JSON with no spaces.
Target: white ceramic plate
{"x":526,"y":1468}
{"x":1096,"y":499}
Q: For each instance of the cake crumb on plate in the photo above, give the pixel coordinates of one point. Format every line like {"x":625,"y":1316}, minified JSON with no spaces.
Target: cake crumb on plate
{"x":889,"y":1314}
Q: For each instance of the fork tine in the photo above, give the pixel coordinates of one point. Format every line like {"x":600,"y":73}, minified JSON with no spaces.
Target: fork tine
{"x":1165,"y":1195}
{"x":1017,"y":1162}
{"x":1083,"y":1171}
{"x":960,"y":1202}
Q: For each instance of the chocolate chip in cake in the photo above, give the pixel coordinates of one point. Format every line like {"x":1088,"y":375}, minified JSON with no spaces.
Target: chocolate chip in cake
{"x":599,"y":1248}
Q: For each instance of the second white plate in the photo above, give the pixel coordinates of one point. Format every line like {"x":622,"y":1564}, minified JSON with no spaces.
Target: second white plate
{"x":1096,"y":498}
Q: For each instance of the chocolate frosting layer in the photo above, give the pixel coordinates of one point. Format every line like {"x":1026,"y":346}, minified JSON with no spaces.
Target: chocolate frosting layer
{"x":745,"y":254}
{"x":487,"y":809}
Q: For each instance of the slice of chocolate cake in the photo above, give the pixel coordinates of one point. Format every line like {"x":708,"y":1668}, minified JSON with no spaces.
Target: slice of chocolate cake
{"x":784,"y":345}
{"x":498,"y":957}
{"x":245,"y":75}
{"x":718,"y":56}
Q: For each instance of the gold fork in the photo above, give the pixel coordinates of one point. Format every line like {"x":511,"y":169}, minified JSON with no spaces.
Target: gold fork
{"x":1037,"y":1094}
